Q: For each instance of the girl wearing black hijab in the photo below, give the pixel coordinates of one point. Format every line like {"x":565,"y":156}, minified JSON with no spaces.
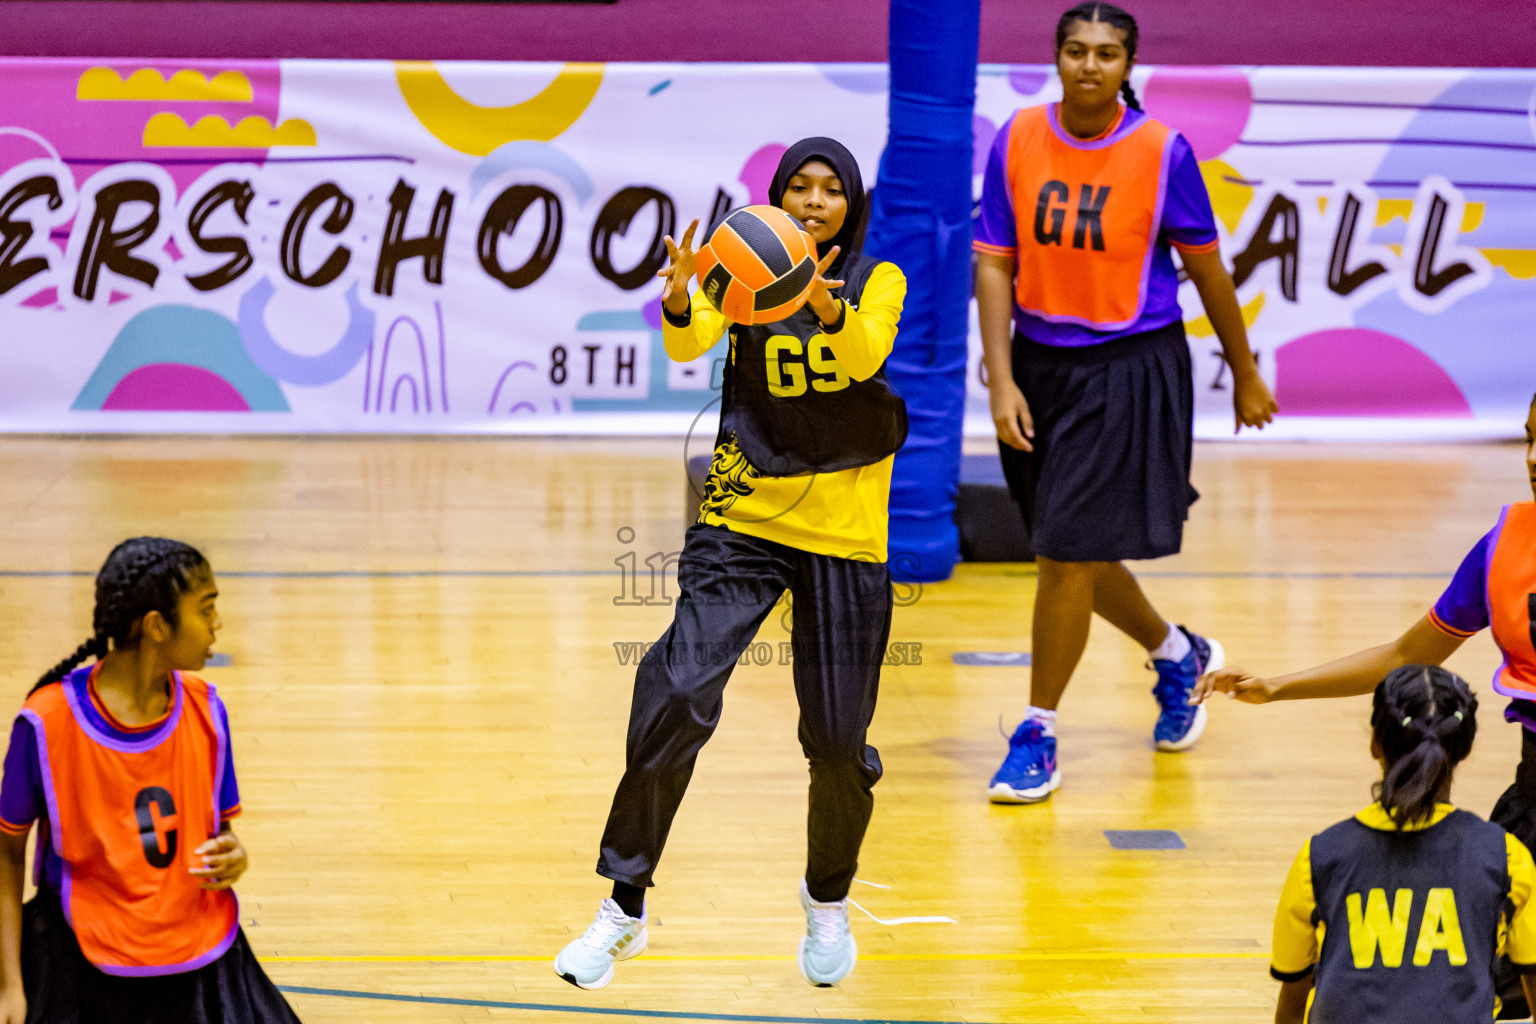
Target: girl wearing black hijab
{"x":796,"y":500}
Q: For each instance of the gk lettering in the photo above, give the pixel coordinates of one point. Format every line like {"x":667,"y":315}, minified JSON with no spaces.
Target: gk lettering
{"x":1051,"y":215}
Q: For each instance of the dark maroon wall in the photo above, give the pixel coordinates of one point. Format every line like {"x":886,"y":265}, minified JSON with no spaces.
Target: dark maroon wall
{"x":1454,"y":33}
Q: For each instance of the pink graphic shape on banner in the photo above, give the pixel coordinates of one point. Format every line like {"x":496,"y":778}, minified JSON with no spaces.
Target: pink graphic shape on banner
{"x":983,"y":134}
{"x":1026,"y":80}
{"x":1352,"y":371}
{"x":174,"y":387}
{"x":757,"y":172}
{"x":1208,"y":106}
{"x":93,"y":133}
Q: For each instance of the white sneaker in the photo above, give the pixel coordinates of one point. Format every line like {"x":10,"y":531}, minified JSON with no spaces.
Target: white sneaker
{"x":827,"y":951}
{"x":588,"y":962}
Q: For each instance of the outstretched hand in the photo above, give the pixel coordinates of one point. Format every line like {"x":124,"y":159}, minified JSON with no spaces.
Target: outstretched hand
{"x":1235,"y":683}
{"x":683,"y":263}
{"x":820,"y":299}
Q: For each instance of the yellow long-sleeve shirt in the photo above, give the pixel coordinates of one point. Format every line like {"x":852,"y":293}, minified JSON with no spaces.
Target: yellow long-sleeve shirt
{"x":844,"y":514}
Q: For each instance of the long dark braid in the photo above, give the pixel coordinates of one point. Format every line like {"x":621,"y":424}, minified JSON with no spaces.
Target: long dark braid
{"x":141,"y":575}
{"x":1425,"y":719}
{"x":1115,"y":17}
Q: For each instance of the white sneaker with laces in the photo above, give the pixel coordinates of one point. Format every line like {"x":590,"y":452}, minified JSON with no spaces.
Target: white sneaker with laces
{"x":827,"y":951}
{"x":587,"y":962}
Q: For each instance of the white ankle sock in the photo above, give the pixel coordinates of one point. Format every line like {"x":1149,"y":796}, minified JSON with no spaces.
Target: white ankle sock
{"x":1175,"y":646}
{"x":1047,"y":719}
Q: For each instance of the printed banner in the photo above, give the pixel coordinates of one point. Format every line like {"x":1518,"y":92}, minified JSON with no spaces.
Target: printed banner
{"x":377,"y":247}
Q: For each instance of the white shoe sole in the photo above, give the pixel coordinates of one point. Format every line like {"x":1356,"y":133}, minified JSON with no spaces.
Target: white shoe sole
{"x":800,"y":963}
{"x":1218,"y":660}
{"x":635,"y":949}
{"x":1002,"y":793}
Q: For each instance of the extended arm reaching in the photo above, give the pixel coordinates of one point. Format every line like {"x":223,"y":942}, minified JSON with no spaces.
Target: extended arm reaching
{"x":1422,"y":644}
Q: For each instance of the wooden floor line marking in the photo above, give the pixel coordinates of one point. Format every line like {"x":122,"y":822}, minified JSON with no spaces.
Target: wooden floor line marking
{"x":403,"y":574}
{"x":1040,"y":956}
{"x":599,"y":1010}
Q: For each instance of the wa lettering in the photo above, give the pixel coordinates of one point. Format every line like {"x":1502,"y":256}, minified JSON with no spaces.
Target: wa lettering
{"x":1375,"y":928}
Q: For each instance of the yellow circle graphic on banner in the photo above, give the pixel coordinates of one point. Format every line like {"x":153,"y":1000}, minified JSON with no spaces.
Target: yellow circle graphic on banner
{"x":479,"y":131}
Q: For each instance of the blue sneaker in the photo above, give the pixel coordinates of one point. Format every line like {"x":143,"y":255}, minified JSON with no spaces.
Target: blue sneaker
{"x":1179,"y":725}
{"x":1029,"y":773}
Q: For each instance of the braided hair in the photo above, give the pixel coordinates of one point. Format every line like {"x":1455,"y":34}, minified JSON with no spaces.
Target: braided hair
{"x":1114,"y":17}
{"x":1424,"y":718}
{"x":141,"y":575}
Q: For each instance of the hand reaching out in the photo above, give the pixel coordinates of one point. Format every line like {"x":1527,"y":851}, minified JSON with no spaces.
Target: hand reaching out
{"x":684,"y":261}
{"x":1235,"y":683}
{"x":820,"y":299}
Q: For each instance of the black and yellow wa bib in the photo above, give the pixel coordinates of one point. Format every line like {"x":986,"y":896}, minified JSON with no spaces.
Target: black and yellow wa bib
{"x":1411,"y":919}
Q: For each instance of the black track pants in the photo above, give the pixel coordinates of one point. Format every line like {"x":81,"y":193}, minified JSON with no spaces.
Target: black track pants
{"x":729,"y":583}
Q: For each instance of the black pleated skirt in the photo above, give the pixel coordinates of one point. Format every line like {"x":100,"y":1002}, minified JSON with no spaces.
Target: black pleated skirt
{"x":63,"y":987}
{"x":1114,"y":431}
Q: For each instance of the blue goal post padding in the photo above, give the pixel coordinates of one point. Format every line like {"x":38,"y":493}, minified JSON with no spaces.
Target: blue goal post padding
{"x":920,"y":220}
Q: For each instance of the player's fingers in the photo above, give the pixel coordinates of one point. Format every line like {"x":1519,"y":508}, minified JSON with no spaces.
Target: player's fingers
{"x":688,"y":235}
{"x":834,"y":284}
{"x":1205,"y":686}
{"x":826,"y":261}
{"x":1026,"y":421}
{"x":216,"y":844}
{"x":1010,"y":433}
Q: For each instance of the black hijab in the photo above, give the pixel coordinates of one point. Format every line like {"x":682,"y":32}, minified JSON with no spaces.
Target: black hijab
{"x":836,"y":156}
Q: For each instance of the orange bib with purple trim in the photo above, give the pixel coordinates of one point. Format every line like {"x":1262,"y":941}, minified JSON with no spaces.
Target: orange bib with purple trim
{"x":126,"y":817}
{"x":1087,"y":214}
{"x":1511,"y":589}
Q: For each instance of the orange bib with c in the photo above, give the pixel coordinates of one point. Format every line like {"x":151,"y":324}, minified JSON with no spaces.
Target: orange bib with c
{"x":126,"y":816}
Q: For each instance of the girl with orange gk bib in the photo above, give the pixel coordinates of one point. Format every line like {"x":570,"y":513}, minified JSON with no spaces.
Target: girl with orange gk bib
{"x":1082,"y":203}
{"x":125,"y":765}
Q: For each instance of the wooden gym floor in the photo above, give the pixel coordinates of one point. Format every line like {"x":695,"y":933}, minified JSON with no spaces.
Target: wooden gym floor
{"x":428,"y":711}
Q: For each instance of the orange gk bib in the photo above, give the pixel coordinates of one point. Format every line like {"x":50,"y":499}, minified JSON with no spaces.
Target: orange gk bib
{"x":1511,"y":589}
{"x":1087,"y":216}
{"x":126,"y":817}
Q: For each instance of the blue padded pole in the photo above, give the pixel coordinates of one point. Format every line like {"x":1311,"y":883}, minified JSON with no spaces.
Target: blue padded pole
{"x":920,"y":220}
